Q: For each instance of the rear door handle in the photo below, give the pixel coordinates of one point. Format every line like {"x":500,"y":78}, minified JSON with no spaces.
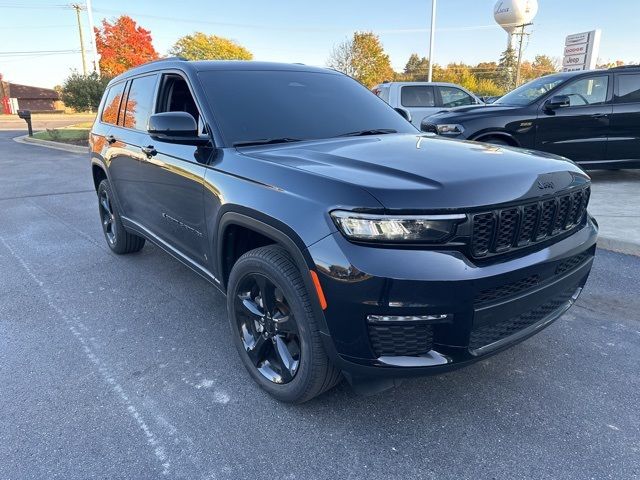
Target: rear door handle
{"x":110,"y":139}
{"x":149,"y":150}
{"x":599,"y":115}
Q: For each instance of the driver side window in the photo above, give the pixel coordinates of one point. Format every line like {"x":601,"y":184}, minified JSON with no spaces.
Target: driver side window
{"x":175,"y":96}
{"x":587,"y":91}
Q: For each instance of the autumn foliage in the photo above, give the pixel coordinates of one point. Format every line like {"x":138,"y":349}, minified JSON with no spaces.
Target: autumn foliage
{"x":200,"y":46}
{"x":123,"y":45}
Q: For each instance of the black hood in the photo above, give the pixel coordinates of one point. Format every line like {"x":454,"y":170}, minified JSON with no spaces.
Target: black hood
{"x":416,"y":172}
{"x":469,"y":111}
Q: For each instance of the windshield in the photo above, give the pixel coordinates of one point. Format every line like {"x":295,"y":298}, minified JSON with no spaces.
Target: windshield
{"x":254,"y":106}
{"x":530,"y":92}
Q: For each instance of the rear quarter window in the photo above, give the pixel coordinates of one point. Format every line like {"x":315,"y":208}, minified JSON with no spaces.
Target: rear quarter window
{"x":628,"y":88}
{"x":112,"y":104}
{"x":139,"y":102}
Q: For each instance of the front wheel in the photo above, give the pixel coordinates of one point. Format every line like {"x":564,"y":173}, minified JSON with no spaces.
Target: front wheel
{"x":274,"y":328}
{"x":497,"y":141}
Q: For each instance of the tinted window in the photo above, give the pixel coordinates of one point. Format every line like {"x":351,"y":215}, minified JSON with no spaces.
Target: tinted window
{"x":530,"y":92}
{"x":417,"y":96}
{"x":139,"y":102}
{"x":586,"y":91}
{"x":628,"y":88}
{"x":454,"y":97}
{"x":258,"y":105}
{"x":112,"y":104}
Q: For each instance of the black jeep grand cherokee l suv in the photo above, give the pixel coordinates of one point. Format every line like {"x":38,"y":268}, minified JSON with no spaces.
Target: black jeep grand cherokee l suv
{"x":591,"y":117}
{"x":347,"y":243}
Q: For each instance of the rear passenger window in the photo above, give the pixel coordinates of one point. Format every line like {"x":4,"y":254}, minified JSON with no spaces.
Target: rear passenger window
{"x":628,"y":88}
{"x":139,"y":102}
{"x":112,"y":104}
{"x":454,"y":97}
{"x":417,"y":96}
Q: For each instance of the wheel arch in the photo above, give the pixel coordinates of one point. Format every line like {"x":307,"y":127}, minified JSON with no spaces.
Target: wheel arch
{"x":278,"y":233}
{"x":98,"y":173}
{"x":506,"y":136}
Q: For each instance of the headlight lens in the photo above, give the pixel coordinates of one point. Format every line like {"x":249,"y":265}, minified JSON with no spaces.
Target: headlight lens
{"x":450,"y":129}
{"x":401,"y":228}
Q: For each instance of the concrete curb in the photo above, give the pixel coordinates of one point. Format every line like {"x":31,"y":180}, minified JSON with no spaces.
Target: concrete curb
{"x":49,"y":144}
{"x":620,"y":246}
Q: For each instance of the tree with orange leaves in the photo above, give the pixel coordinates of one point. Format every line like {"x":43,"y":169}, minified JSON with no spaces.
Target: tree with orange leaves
{"x":122,"y":45}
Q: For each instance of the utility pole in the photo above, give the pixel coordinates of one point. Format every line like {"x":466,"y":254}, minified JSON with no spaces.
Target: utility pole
{"x":433,"y":35}
{"x":94,"y":50}
{"x":521,"y":34}
{"x":77,"y":7}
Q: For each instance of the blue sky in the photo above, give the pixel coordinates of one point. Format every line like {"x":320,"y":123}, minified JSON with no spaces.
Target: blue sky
{"x":305,"y":31}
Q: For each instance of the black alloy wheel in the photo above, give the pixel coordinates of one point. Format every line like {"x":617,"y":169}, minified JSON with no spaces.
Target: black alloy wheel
{"x":267,"y":328}
{"x":107,"y":216}
{"x":274,"y":327}
{"x":118,"y":238}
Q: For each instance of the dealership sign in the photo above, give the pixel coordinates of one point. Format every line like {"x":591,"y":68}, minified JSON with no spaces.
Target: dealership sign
{"x":581,"y":51}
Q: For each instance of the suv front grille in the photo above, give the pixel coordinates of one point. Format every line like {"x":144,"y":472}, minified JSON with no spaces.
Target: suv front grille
{"x":490,"y":295}
{"x":510,"y":228}
{"x":401,"y":340}
{"x":488,"y":334}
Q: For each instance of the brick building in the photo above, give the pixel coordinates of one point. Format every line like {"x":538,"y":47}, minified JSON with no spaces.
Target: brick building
{"x":35,"y":99}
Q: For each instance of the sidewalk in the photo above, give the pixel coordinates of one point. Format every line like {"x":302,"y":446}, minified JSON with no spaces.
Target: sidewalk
{"x":615,"y":203}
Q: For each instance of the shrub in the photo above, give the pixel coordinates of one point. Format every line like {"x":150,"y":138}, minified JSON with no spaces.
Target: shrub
{"x":83,"y":92}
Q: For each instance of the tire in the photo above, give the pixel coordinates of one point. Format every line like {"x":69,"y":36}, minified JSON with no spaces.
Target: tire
{"x":497,"y":141}
{"x":119,"y":240}
{"x":303,"y":370}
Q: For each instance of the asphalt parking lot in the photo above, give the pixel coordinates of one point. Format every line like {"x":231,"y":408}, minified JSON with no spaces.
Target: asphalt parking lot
{"x":122,"y":367}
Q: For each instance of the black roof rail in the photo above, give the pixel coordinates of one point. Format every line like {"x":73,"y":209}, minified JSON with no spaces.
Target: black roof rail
{"x":621,"y":67}
{"x":167,"y":59}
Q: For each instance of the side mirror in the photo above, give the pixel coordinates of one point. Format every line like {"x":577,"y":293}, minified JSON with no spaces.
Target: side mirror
{"x":557,"y":101}
{"x":175,"y":127}
{"x":405,"y":113}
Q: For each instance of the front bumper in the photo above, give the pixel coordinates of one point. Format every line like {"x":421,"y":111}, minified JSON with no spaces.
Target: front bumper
{"x":489,"y":307}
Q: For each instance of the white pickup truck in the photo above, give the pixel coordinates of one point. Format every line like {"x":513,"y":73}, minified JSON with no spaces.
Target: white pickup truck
{"x":421,"y":99}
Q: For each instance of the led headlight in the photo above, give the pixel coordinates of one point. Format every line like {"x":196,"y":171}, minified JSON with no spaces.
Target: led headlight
{"x":400,"y":228}
{"x":450,"y":129}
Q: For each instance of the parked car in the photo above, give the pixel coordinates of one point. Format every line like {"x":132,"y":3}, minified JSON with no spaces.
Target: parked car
{"x":348,"y":244}
{"x":416,"y":100}
{"x":591,"y":117}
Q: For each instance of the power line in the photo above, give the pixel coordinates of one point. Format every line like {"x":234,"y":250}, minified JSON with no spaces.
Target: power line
{"x":301,"y":28}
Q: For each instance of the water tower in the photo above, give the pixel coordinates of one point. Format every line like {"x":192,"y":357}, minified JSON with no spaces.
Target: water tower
{"x":514,"y":16}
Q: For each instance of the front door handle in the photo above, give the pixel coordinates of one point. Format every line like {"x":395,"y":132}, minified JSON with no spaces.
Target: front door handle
{"x":149,"y":151}
{"x":599,"y":115}
{"x":110,"y":139}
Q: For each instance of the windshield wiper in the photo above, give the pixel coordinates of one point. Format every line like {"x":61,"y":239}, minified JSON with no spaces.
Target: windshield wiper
{"x":266,"y":141}
{"x":375,"y":131}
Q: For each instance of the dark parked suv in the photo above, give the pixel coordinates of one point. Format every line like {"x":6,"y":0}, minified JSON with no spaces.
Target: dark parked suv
{"x":347,"y":243}
{"x":591,"y":117}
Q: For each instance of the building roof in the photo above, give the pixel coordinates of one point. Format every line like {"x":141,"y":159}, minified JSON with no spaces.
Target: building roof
{"x":15,"y":90}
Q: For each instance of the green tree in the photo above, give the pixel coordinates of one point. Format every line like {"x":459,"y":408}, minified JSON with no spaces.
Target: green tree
{"x":544,"y":65}
{"x":506,"y":78}
{"x":83,"y":92}
{"x":417,"y":69}
{"x":363,"y":58}
{"x":200,"y":46}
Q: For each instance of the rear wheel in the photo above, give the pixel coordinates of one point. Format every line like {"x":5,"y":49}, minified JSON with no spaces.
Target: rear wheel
{"x":274,"y":328}
{"x":119,"y":240}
